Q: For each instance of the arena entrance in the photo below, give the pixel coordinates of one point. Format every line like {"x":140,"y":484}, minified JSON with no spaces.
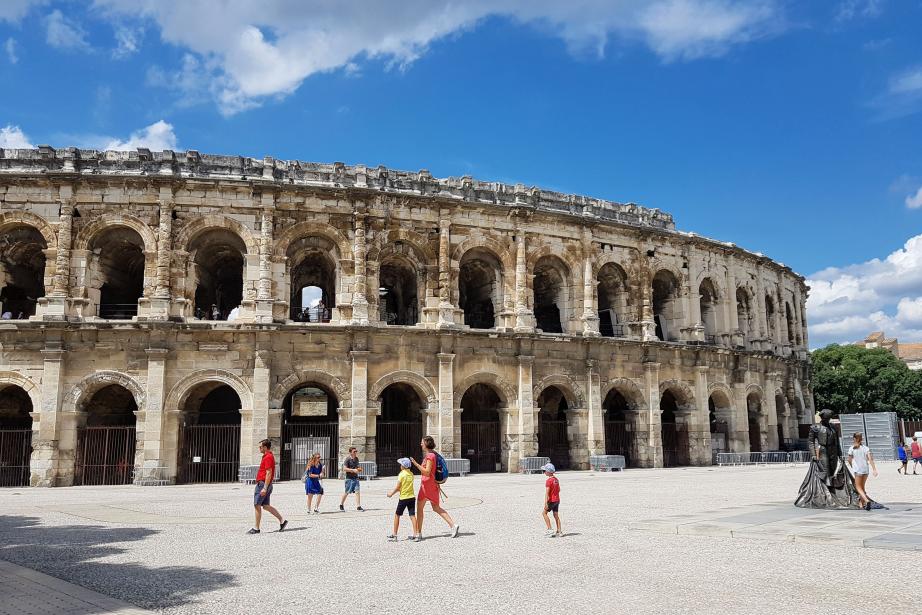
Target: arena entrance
{"x":719,"y":416}
{"x":217,"y":268}
{"x":754,"y":413}
{"x":209,"y":449}
{"x":399,"y":429}
{"x":310,"y":425}
{"x":22,"y":271}
{"x":480,"y":288}
{"x":553,"y":439}
{"x":15,"y":436}
{"x":106,"y":443}
{"x":674,"y":433}
{"x":619,"y":434}
{"x":481,"y":438}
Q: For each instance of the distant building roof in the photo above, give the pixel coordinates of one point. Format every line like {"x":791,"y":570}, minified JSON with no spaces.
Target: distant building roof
{"x":910,"y":353}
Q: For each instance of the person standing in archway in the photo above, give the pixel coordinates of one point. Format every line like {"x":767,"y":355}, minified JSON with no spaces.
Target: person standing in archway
{"x":429,"y":489}
{"x":264,"y":477}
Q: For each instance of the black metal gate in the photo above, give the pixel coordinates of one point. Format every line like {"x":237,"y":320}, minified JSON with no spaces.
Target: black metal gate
{"x":209,"y":453}
{"x":105,"y":455}
{"x":480,"y":442}
{"x":553,"y":442}
{"x":755,"y":435}
{"x":675,"y":445}
{"x":15,"y":451}
{"x":396,"y":439}
{"x":618,"y":440}
{"x":301,"y":440}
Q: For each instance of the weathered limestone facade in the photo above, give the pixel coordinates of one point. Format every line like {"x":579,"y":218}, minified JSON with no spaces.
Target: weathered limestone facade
{"x":654,"y":321}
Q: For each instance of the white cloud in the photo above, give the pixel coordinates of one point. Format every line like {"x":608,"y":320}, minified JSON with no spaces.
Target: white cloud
{"x":64,"y":33}
{"x":10,"y":48}
{"x":914,"y":201}
{"x":12,"y":137}
{"x":857,"y":9}
{"x":128,"y":41}
{"x":903,"y":95}
{"x":907,"y":82}
{"x":246,"y":51}
{"x":158,"y":136}
{"x":14,"y":10}
{"x":847,"y":303}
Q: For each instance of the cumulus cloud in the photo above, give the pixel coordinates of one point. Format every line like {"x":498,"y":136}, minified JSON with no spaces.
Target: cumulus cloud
{"x":914,"y":201}
{"x":12,"y":137}
{"x":15,"y":10}
{"x":64,"y":33}
{"x":903,"y":95}
{"x":158,"y":136}
{"x":244,"y":52}
{"x":128,"y":41}
{"x":10,"y":48}
{"x":847,"y":303}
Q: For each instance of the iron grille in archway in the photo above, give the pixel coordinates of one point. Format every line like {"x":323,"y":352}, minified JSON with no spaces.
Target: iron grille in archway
{"x":105,"y":455}
{"x":209,"y":453}
{"x":15,"y":451}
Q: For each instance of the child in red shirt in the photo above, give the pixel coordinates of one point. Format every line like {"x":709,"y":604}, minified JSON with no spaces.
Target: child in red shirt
{"x":551,"y":500}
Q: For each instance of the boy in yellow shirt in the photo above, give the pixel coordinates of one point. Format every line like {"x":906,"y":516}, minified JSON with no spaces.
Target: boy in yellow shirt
{"x":407,"y":499}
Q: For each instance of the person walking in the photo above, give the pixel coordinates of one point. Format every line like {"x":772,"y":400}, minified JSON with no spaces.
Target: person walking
{"x":551,"y":500}
{"x":429,"y":489}
{"x":859,"y":458}
{"x":916,"y":450}
{"x":902,"y":452}
{"x":407,"y":500}
{"x":312,"y":485}
{"x":351,"y":471}
{"x":261,"y":496}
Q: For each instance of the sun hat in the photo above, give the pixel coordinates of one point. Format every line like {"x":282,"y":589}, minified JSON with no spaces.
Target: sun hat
{"x":549,"y":467}
{"x":404,"y":462}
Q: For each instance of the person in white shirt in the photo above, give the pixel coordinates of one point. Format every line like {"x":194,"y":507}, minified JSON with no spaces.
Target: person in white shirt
{"x":859,"y":458}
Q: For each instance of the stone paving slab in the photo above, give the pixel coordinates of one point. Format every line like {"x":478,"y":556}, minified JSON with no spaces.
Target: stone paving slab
{"x":28,"y":592}
{"x":899,"y":528}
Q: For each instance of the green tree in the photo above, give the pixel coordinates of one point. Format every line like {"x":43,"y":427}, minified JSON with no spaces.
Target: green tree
{"x":849,"y":379}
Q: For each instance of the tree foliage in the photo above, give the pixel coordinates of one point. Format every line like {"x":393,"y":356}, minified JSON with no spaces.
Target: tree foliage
{"x":849,"y":379}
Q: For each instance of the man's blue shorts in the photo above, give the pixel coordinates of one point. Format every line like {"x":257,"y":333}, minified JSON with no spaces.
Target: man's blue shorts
{"x":261,"y":500}
{"x":353,"y":485}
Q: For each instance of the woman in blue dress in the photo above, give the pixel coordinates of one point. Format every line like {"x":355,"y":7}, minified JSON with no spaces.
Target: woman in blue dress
{"x":312,"y":484}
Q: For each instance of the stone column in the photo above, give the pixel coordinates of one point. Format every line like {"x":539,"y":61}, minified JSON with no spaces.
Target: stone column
{"x":524,"y":317}
{"x":160,"y":303}
{"x":55,"y":307}
{"x":264,"y":300}
{"x":739,"y":434}
{"x":361,"y":438}
{"x":446,"y":415}
{"x":152,"y":435}
{"x":647,"y":323}
{"x":595,"y":427}
{"x":255,"y":429}
{"x":733,"y":324}
{"x":49,"y":466}
{"x":699,"y":425}
{"x":780,"y":339}
{"x":650,"y":455}
{"x":590,"y":311}
{"x":527,"y":426}
{"x":360,"y":287}
{"x":805,"y":344}
{"x":694,"y":331}
{"x":446,"y":317}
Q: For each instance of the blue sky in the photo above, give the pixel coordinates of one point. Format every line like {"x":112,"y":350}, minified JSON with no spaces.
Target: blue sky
{"x":789,"y":128}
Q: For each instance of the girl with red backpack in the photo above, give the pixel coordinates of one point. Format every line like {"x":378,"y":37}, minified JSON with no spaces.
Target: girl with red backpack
{"x":429,"y":487}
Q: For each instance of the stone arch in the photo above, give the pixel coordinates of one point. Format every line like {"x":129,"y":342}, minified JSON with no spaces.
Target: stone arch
{"x":420,"y":384}
{"x":573,"y":265}
{"x":8,"y":378}
{"x":721,"y":389}
{"x":384,"y":246}
{"x":11,"y":219}
{"x":181,"y":390}
{"x":571,"y":389}
{"x":629,"y":389}
{"x":307,"y":229}
{"x":505,"y":391}
{"x":785,"y":405}
{"x":197,"y":226}
{"x":657,"y":265}
{"x":683,"y":392}
{"x":111,"y":220}
{"x":84,"y":390}
{"x":281,"y":390}
{"x":502,"y":251}
{"x":755,"y":388}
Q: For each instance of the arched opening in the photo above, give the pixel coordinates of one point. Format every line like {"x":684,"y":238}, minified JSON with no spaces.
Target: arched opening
{"x":312,"y":279}
{"x":789,"y":320}
{"x":785,"y":441}
{"x":22,"y":271}
{"x":719,"y":417}
{"x":310,"y":424}
{"x":218,"y":257}
{"x":754,"y":413}
{"x":553,"y":436}
{"x":398,"y":301}
{"x":744,"y":313}
{"x":550,"y":294}
{"x":619,"y":426}
{"x":15,"y":436}
{"x":674,"y":432}
{"x":480,"y":428}
{"x":770,"y":317}
{"x":480,"y":288}
{"x":614,"y":300}
{"x":115,"y":272}
{"x":667,"y":313}
{"x":399,"y":428}
{"x":708,"y":301}
{"x":106,"y":442}
{"x":209,"y":438}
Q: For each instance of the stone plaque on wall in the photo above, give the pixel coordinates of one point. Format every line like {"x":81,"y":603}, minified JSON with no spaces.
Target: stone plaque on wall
{"x":309,"y":402}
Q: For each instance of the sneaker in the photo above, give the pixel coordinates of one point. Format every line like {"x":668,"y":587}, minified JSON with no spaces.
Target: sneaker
{"x":391,"y":538}
{"x":559,"y":534}
{"x":253,"y":530}
{"x":360,"y":509}
{"x":316,"y":511}
{"x":550,"y":534}
{"x":283,"y":525}
{"x":417,"y":539}
{"x":411,"y":537}
{"x":341,"y":509}
{"x":454,"y":530}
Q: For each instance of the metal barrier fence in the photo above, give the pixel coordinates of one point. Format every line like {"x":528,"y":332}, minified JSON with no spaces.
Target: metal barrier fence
{"x":533,"y":464}
{"x":606,"y":463}
{"x":458,"y":466}
{"x":247,"y":474}
{"x":762,"y":458}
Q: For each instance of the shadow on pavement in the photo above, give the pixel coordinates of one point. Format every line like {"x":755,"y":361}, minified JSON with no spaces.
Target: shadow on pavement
{"x":74,"y":553}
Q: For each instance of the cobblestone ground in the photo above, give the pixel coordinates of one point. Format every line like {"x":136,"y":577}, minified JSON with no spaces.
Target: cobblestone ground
{"x":183,"y":549}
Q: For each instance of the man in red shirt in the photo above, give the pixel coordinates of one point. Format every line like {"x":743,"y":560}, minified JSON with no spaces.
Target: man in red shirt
{"x":916,"y":451}
{"x":551,"y":500}
{"x":264,"y":478}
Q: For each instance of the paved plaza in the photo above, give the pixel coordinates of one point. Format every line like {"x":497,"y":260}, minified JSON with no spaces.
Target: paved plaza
{"x":183,"y":549}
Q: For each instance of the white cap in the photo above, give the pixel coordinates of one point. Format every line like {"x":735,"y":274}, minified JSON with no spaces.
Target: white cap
{"x":549,"y":467}
{"x":405,"y":462}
